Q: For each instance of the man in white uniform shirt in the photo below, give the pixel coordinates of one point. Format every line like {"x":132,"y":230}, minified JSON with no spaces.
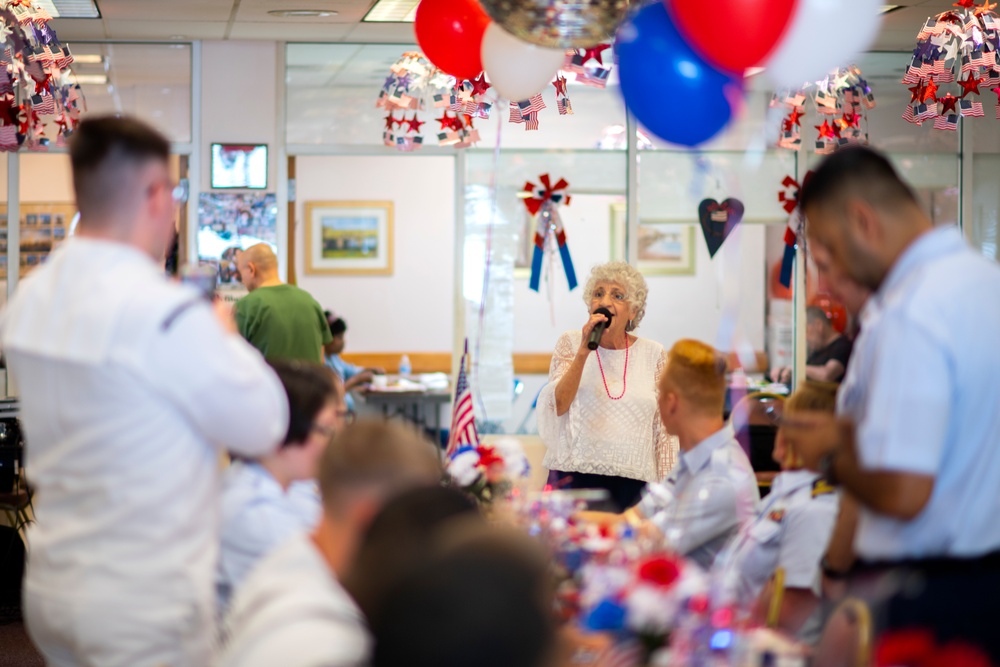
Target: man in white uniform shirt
{"x":712,"y":491}
{"x":923,"y":460}
{"x":130,"y":388}
{"x":292,"y":610}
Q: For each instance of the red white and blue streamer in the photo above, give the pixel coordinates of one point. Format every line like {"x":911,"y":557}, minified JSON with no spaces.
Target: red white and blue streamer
{"x":542,"y":201}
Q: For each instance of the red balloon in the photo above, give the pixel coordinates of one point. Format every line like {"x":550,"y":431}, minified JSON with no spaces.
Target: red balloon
{"x":450,"y":34}
{"x":733,"y":34}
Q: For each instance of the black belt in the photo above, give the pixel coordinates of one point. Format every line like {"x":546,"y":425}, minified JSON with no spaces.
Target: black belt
{"x":989,"y":562}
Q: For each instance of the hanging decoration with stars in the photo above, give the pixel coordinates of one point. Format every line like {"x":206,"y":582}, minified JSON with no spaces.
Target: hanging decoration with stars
{"x":954,"y":62}
{"x":842,"y":101}
{"x":35,"y":80}
{"x":542,"y":202}
{"x":415,"y":86}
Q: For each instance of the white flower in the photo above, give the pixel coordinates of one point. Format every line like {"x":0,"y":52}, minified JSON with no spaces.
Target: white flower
{"x":651,"y":609}
{"x":515,"y":463}
{"x":464,"y":468}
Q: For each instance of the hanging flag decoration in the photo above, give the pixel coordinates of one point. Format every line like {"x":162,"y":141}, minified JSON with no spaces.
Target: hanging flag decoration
{"x":954,"y":62}
{"x":789,"y":198}
{"x":718,"y":221}
{"x":35,"y":80}
{"x":841,"y":101}
{"x":542,"y":202}
{"x":415,"y":87}
{"x":463,"y":431}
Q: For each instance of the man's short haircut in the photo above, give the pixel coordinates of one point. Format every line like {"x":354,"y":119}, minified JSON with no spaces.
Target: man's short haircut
{"x":813,"y":396}
{"x":375,"y":456}
{"x":309,"y":387}
{"x":817,"y":314}
{"x":401,"y":538}
{"x":856,"y":170}
{"x":102,"y":151}
{"x":486,"y":602}
{"x":337,"y":324}
{"x":697,"y":371}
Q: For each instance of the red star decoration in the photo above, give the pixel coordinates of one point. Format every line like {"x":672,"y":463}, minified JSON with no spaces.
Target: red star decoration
{"x":796,"y":116}
{"x":444,"y":121}
{"x":595,"y":53}
{"x":965,"y":4}
{"x":930,"y":90}
{"x":560,"y":84}
{"x":391,"y":122}
{"x":970,"y":85}
{"x":917,"y":92}
{"x":851,"y":119}
{"x":985,"y":7}
{"x":40,"y":85}
{"x":413,"y":124}
{"x":479,"y":84}
{"x":948,"y":103}
{"x":786,"y":125}
{"x":825,"y":131}
{"x":468,"y":120}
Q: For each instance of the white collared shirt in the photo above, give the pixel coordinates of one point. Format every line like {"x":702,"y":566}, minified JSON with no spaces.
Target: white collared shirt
{"x":853,"y":391}
{"x":292,"y":611}
{"x":129,"y":389}
{"x":933,"y":401}
{"x":704,"y":500}
{"x":791,"y":531}
{"x":257,"y":516}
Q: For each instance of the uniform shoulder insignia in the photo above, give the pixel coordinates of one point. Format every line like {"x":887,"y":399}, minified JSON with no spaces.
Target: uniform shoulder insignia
{"x":821,"y":487}
{"x":776,"y":515}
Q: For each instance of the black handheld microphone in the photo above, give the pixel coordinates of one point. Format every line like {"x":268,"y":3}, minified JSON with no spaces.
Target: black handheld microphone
{"x":595,"y":334}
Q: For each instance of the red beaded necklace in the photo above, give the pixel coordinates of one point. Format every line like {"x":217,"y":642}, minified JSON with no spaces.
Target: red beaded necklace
{"x":624,"y":374}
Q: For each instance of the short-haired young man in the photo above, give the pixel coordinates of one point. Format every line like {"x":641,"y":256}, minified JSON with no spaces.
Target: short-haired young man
{"x":712,"y":489}
{"x":130,"y":386}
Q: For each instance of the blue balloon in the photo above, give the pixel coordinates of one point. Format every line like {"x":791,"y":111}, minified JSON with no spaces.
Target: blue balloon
{"x":669,"y":88}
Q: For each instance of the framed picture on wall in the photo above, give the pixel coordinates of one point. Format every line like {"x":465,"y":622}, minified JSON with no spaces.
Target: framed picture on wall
{"x":666,"y":247}
{"x":349,"y":238}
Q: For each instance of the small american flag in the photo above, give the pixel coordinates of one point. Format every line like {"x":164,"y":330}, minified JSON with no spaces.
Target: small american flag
{"x":515,"y":113}
{"x":533,"y":105}
{"x":531,"y":121}
{"x":44,"y":104}
{"x":440,"y":102}
{"x":971,"y":109}
{"x":950,"y":122}
{"x":566,"y":109}
{"x":463,"y":416}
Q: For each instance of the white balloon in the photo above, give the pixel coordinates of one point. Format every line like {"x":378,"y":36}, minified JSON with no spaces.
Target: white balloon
{"x":516,"y":69}
{"x":824,"y":34}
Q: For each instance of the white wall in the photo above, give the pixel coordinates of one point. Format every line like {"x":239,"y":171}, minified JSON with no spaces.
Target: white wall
{"x":411,"y":310}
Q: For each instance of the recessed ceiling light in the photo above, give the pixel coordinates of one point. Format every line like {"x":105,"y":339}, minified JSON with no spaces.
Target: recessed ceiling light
{"x":88,"y":59}
{"x":301,"y":13}
{"x":752,"y":71}
{"x":96,"y":79}
{"x":70,"y":9}
{"x":392,"y":11}
{"x":889,"y":8}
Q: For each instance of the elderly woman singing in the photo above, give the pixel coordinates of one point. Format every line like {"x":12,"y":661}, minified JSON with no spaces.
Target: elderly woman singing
{"x":598,"y":414}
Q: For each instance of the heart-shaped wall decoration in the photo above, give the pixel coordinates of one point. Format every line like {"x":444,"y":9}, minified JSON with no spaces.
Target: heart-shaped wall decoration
{"x":718,"y":221}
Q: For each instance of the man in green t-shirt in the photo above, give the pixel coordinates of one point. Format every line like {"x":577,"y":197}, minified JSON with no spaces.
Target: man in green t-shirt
{"x":282,"y":321}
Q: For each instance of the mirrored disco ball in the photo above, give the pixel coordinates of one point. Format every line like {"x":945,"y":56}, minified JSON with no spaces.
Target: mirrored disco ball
{"x":558,"y":23}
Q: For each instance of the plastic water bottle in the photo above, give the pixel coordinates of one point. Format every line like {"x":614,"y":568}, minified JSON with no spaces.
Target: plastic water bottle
{"x":405,"y":368}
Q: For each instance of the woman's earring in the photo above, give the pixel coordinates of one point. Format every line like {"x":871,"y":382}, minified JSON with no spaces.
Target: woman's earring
{"x":630,"y":327}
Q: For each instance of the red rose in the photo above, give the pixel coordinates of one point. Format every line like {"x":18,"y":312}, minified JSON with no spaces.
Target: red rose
{"x":904,"y":648}
{"x":660,"y":571}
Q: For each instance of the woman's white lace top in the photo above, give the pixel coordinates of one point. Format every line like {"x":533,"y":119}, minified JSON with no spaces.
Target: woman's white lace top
{"x":624,"y":438}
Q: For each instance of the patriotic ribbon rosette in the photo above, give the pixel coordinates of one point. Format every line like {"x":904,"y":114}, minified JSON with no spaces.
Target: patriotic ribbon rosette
{"x":789,"y":198}
{"x":542,"y":201}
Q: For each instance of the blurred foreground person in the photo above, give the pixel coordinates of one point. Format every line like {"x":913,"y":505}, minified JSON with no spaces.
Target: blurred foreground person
{"x":791,"y":532}
{"x":922,"y":461}
{"x":130,"y":387}
{"x":485,"y":601}
{"x":293,"y":609}
{"x":262,"y":502}
{"x":281,"y":320}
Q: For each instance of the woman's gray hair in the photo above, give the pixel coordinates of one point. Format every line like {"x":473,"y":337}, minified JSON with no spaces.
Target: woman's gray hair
{"x":628,"y":277}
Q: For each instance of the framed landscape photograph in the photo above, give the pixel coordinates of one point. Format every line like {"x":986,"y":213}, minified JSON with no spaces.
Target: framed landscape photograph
{"x":349,"y":238}
{"x":666,"y":247}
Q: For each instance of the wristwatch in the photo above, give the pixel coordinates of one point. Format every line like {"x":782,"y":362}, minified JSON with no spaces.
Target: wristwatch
{"x":831,"y":573}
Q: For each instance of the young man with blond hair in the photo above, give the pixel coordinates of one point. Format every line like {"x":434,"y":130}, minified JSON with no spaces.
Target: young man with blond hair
{"x":712,"y":489}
